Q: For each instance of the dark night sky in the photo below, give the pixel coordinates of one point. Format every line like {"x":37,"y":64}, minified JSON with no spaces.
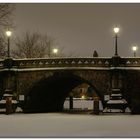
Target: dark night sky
{"x":81,"y":28}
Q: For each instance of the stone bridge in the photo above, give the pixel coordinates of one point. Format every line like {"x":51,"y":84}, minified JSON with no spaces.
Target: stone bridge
{"x":47,"y":82}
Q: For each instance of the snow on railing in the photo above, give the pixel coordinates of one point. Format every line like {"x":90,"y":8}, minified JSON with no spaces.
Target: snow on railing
{"x":131,"y":61}
{"x":62,"y":62}
{"x":70,"y":62}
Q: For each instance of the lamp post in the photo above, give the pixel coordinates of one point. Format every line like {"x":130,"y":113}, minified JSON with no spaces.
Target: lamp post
{"x":116,"y":31}
{"x":8,"y":84}
{"x":134,"y":48}
{"x":8,"y":34}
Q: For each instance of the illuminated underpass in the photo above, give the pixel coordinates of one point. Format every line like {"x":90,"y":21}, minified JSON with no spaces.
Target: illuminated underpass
{"x":48,"y":95}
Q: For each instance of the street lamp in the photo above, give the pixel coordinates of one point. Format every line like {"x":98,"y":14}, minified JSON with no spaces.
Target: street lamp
{"x":8,"y":65}
{"x":134,"y":48}
{"x":55,"y":51}
{"x":8,"y":34}
{"x":116,"y":31}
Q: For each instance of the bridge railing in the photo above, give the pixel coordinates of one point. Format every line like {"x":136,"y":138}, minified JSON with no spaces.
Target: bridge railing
{"x":69,"y":62}
{"x":130,"y":62}
{"x":62,"y":62}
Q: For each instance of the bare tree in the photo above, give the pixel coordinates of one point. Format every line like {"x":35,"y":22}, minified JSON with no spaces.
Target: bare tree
{"x":3,"y":45}
{"x":5,"y":14}
{"x":5,"y":22}
{"x":32,"y":45}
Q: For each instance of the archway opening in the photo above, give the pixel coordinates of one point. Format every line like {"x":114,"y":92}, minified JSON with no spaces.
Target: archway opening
{"x":81,"y":99}
{"x":49,"y":94}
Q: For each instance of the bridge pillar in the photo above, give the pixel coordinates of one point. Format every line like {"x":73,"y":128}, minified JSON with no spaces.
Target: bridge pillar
{"x":71,"y":102}
{"x":7,"y":82}
{"x":8,"y":63}
{"x":9,"y":76}
{"x":116,"y":74}
{"x":115,"y":79}
{"x":96,"y":105}
{"x":9,"y":109}
{"x":116,"y":60}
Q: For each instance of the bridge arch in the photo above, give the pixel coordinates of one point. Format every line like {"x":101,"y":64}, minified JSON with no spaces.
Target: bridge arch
{"x":49,"y":94}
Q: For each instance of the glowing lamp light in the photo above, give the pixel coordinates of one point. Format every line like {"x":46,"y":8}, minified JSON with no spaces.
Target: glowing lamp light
{"x":116,"y":30}
{"x":8,"y":33}
{"x":134,"y":48}
{"x":55,"y":51}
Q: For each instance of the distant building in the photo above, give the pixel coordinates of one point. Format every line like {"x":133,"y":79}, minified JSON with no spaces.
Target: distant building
{"x":80,"y":90}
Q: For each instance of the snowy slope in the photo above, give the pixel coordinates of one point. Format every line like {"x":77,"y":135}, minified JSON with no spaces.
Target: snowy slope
{"x":69,"y":125}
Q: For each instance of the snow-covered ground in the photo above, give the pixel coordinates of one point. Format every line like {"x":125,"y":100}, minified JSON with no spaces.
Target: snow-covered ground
{"x":69,"y":125}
